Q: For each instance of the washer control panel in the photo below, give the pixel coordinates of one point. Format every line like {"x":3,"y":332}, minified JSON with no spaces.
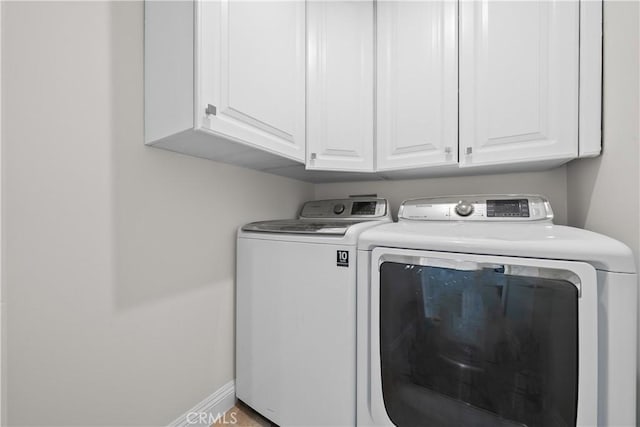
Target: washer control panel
{"x":508,"y":208}
{"x":492,"y":207}
{"x":354,"y":208}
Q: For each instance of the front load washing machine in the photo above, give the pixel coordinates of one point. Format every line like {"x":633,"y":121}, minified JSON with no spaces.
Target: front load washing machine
{"x":296,"y":312}
{"x":478,"y":310}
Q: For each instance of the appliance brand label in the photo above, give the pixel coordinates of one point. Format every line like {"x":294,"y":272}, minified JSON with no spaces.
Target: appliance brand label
{"x":343,"y":259}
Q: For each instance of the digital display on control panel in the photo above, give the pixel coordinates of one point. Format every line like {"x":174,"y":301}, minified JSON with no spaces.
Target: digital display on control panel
{"x":363,"y":208}
{"x":508,"y":208}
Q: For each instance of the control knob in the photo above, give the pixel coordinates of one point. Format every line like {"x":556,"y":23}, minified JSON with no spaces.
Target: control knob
{"x":338,"y":209}
{"x":464,"y":208}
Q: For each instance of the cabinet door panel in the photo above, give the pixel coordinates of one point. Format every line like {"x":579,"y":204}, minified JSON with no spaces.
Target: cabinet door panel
{"x":417,"y":84}
{"x":340,"y":85}
{"x":518,"y":81}
{"x":253,"y":72}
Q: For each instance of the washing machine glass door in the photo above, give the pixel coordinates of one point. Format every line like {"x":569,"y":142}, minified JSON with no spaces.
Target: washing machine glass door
{"x":478,"y":342}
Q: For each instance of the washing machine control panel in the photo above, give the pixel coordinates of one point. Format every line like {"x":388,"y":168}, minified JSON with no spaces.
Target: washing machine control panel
{"x":354,"y":208}
{"x":493,"y":207}
{"x":508,"y":208}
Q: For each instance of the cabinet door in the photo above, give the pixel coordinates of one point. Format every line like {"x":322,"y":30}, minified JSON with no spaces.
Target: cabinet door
{"x":340,"y":85}
{"x":417,"y":84}
{"x":252,"y":59}
{"x":518,"y":81}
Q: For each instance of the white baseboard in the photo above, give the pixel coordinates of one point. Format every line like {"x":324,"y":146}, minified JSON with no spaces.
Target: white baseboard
{"x":210,"y":409}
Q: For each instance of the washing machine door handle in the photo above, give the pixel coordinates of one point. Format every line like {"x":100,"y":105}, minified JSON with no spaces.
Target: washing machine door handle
{"x":468,"y":265}
{"x":454,"y":264}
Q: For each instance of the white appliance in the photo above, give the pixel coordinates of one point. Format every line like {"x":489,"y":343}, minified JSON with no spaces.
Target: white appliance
{"x":296,"y":312}
{"x":478,"y":310}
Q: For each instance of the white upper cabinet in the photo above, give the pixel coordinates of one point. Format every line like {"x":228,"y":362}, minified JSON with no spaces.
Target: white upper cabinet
{"x":400,"y":87}
{"x":417,"y":84}
{"x":252,"y":74}
{"x":519,"y":63}
{"x":340,"y":68}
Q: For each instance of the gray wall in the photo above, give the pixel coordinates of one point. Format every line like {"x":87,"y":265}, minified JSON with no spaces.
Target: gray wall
{"x":119,"y":258}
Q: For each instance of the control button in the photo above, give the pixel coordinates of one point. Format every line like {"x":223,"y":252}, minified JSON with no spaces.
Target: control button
{"x":338,"y":209}
{"x":464,"y":208}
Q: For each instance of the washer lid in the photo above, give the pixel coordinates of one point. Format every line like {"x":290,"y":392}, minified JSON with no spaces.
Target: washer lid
{"x":293,"y":226}
{"x":542,"y":240}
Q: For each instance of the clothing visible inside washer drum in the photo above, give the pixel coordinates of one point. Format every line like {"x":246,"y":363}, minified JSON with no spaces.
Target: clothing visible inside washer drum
{"x":479,"y":348}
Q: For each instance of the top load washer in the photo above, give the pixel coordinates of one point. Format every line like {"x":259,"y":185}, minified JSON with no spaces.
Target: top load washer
{"x":478,"y":310}
{"x":296,"y":312}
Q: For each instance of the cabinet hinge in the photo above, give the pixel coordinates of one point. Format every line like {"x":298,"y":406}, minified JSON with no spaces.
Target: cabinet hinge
{"x":469,"y":150}
{"x":211,"y":110}
{"x":447,"y":150}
